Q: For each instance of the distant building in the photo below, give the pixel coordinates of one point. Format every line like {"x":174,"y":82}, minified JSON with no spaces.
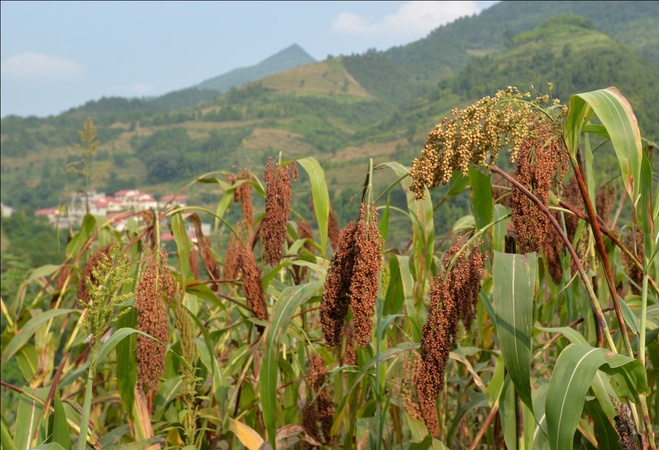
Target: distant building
{"x":6,"y":210}
{"x":180,"y":200}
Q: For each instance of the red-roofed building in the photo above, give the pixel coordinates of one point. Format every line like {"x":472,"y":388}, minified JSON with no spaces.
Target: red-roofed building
{"x":179,"y":200}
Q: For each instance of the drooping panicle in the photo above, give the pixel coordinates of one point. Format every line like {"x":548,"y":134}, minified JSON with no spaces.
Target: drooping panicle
{"x":154,"y":291}
{"x":364,"y":281}
{"x":541,"y":163}
{"x":336,"y":299}
{"x":252,"y":282}
{"x":322,"y":408}
{"x":277,"y":208}
{"x":352,"y":279}
{"x":453,"y":297}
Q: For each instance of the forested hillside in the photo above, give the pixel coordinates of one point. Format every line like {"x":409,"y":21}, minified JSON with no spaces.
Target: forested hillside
{"x":345,"y":109}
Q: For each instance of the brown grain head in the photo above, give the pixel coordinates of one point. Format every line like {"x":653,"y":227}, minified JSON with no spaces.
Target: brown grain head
{"x":336,"y":290}
{"x":252,"y":282}
{"x":541,"y":163}
{"x":364,"y":280}
{"x":316,"y":379}
{"x":277,"y":208}
{"x":154,"y":291}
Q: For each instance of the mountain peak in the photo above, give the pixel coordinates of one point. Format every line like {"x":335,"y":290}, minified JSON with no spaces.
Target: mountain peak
{"x":288,"y":58}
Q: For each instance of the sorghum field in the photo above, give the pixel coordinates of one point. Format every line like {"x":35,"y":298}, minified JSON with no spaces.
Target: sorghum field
{"x":533,"y":324}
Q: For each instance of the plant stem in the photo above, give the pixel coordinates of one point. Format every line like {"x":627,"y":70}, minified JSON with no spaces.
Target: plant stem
{"x":599,"y":314}
{"x":86,"y":408}
{"x":613,"y":238}
{"x":601,"y":249}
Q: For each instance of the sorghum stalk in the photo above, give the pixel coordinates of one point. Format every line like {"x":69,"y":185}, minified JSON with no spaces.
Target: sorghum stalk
{"x":601,"y":249}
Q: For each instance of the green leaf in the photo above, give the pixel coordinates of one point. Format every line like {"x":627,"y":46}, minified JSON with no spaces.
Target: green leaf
{"x":600,"y":385}
{"x":112,"y":342}
{"x":508,"y":413}
{"x":514,"y":290}
{"x":500,"y":229}
{"x":481,"y":197}
{"x":182,"y":245}
{"x":572,"y":376}
{"x":81,"y":237}
{"x":126,"y":364}
{"x":478,"y":401}
{"x":49,"y":446}
{"x":320,"y":197}
{"x":617,"y":116}
{"x":607,"y":438}
{"x":495,"y":385}
{"x":385,"y":355}
{"x":383,"y":226}
{"x":289,"y":300}
{"x":630,"y":318}
{"x":7,"y":441}
{"x":27,"y":417}
{"x":61,"y":433}
{"x":30,"y":328}
{"x":421,"y":214}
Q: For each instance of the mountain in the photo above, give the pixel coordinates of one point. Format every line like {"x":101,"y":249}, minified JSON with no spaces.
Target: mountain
{"x":343,"y":110}
{"x":288,"y":58}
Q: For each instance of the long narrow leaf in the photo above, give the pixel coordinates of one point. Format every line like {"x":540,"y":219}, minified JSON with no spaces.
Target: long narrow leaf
{"x":572,"y":376}
{"x":290,"y":299}
{"x":514,"y":290}
{"x":617,"y":116}
{"x":320,"y":197}
{"x":61,"y":433}
{"x":29,"y":329}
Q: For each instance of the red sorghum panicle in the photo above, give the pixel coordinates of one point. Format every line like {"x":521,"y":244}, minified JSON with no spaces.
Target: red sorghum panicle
{"x":452,"y":297}
{"x":154,"y":291}
{"x":277,"y":207}
{"x":407,"y":386}
{"x":333,"y":231}
{"x":552,"y":246}
{"x":231,"y":267}
{"x":87,"y":273}
{"x":252,"y":282}
{"x":242,"y":195}
{"x":541,"y":163}
{"x":364,"y":282}
{"x":194,"y":262}
{"x":323,"y":404}
{"x":634,"y":243}
{"x":467,"y":295}
{"x":336,"y":299}
{"x":64,"y":273}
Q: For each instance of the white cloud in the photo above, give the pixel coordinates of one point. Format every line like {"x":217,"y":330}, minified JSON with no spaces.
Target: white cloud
{"x":412,"y":20}
{"x":37,"y":66}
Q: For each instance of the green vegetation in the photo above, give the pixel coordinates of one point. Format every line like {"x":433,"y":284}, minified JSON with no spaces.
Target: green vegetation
{"x":531,"y":322}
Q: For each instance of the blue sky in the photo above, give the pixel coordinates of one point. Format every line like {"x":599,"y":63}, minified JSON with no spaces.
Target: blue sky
{"x":57,"y":55}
